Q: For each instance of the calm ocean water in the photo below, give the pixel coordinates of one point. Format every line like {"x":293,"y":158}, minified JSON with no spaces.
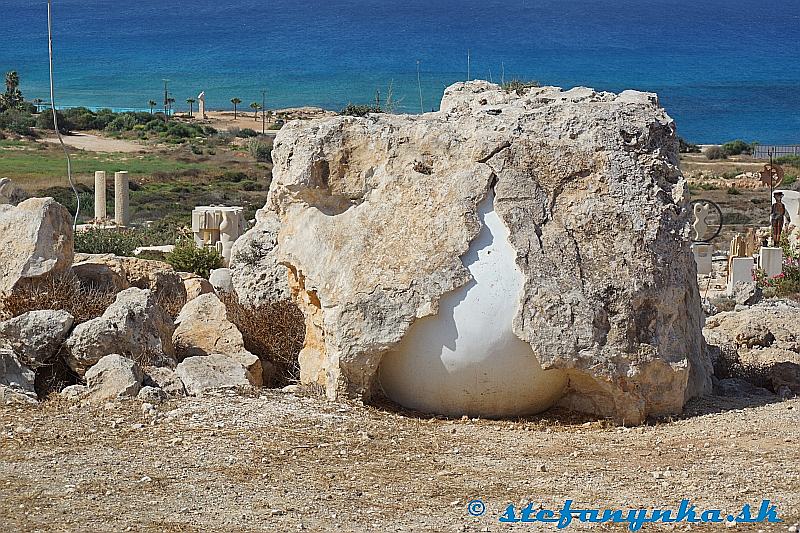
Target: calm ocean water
{"x":724,"y":69}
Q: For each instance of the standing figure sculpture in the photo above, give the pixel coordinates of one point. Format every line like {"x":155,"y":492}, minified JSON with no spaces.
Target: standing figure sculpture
{"x":777,"y":217}
{"x":700,"y":225}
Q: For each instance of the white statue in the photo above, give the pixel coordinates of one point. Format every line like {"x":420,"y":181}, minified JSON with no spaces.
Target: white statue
{"x":201,"y":105}
{"x":700,"y":225}
{"x":218,"y":227}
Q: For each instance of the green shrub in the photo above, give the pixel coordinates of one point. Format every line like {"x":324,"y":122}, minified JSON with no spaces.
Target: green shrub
{"x":715,"y":152}
{"x":123,"y":122}
{"x":16,"y":121}
{"x":737,"y":147}
{"x":260,"y":150}
{"x":791,"y":160}
{"x":519,"y":86}
{"x":360,"y":110}
{"x":733,"y":190}
{"x":186,"y":257}
{"x":107,"y":241}
{"x":246,"y":133}
{"x":45,"y":122}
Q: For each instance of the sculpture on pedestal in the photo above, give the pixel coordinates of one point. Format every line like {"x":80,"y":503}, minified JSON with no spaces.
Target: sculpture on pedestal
{"x":777,"y":217}
{"x":218,"y":227}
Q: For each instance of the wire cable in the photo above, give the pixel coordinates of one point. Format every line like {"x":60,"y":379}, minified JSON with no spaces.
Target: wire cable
{"x":55,"y":115}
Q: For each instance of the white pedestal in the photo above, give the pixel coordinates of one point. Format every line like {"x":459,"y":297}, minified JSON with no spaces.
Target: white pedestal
{"x":770,"y":260}
{"x":702,"y":257}
{"x":741,"y":270}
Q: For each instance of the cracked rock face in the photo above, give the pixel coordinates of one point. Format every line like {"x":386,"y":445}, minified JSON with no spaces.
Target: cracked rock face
{"x":377,"y":215}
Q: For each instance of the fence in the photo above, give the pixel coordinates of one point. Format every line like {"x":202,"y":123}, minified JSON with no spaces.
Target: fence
{"x":763,"y":151}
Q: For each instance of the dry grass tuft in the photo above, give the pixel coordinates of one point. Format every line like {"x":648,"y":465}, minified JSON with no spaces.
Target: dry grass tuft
{"x":59,"y":292}
{"x":274,"y":333}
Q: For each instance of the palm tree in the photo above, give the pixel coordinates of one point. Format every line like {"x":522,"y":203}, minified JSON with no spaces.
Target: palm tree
{"x":170,"y":101}
{"x":12,"y":97}
{"x":152,"y":104}
{"x":235,"y":102}
{"x":255,"y":106}
{"x":191,"y":102}
{"x":37,"y":102}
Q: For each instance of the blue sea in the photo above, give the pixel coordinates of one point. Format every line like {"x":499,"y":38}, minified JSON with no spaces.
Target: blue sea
{"x":723,"y":69}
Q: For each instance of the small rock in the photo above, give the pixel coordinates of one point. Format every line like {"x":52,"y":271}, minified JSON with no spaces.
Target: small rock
{"x":152,"y":395}
{"x":73,"y":392}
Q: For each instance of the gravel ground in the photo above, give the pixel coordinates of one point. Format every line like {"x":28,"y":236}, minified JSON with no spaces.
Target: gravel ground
{"x":292,"y":461}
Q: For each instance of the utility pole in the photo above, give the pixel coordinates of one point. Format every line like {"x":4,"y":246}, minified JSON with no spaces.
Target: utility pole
{"x":166,"y":100}
{"x":263,"y":112}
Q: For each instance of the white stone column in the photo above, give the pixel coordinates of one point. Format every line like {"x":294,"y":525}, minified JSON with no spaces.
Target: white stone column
{"x":121,"y":198}
{"x":100,"y":196}
{"x":771,"y":260}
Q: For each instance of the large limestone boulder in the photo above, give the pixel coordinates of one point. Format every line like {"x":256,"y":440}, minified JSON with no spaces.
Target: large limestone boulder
{"x":35,"y":239}
{"x":200,"y":374}
{"x":257,"y":277}
{"x":195,"y":285}
{"x":134,"y":325}
{"x":36,"y":336}
{"x":122,"y":272}
{"x":377,"y":220}
{"x":114,"y":377}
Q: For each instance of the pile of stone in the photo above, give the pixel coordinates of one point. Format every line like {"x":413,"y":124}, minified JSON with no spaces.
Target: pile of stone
{"x":135,"y":347}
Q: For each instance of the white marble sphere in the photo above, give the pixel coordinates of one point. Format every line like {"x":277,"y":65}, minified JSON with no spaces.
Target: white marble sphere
{"x":466,"y":360}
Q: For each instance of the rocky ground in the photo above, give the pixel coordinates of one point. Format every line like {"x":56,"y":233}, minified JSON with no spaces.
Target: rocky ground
{"x":293,"y":461}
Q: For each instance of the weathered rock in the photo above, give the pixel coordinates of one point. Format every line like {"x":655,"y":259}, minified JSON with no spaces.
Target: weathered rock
{"x":372,"y":215}
{"x":156,"y":276}
{"x":16,"y":380}
{"x":195,"y":285}
{"x":787,"y":375}
{"x":770,"y":324}
{"x":258,"y":279}
{"x":203,"y":328}
{"x":35,"y":239}
{"x":100,"y":276}
{"x":36,"y":336}
{"x":74,"y":392}
{"x":134,"y":325}
{"x":114,"y":376}
{"x":204,"y":373}
{"x":738,"y":387}
{"x":165,"y":379}
{"x":747,"y":293}
{"x":220,"y":279}
{"x":152,"y":394}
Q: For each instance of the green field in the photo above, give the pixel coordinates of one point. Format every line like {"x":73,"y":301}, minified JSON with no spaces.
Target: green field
{"x":34,"y":165}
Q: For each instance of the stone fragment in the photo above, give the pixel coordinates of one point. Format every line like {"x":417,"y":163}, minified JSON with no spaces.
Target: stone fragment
{"x":74,"y":392}
{"x":747,"y":293}
{"x":16,"y":380}
{"x":152,"y":394}
{"x":195,"y":285}
{"x":737,"y":387}
{"x":164,"y":379}
{"x":134,"y":325}
{"x":113,"y":377}
{"x":36,"y":336}
{"x":36,"y":239}
{"x":210,"y":372}
{"x":220,"y":279}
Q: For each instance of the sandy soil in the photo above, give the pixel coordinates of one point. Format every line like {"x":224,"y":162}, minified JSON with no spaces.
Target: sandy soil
{"x":289,"y":462}
{"x":223,"y":120}
{"x":94,"y":143}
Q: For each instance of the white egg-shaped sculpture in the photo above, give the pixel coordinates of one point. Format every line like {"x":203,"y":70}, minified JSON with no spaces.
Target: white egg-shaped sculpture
{"x":466,"y":360}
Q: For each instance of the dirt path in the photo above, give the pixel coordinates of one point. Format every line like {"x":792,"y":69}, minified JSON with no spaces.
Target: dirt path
{"x":286,"y":462}
{"x":93,"y":143}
